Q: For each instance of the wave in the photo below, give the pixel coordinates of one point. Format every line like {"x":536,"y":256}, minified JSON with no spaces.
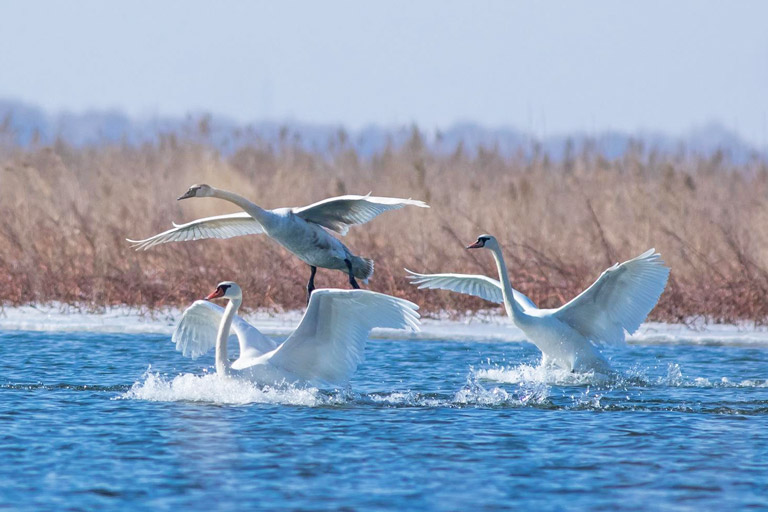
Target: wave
{"x":529,"y":392}
{"x":506,"y":387}
{"x":214,"y":389}
{"x":32,"y":386}
{"x":636,"y":376}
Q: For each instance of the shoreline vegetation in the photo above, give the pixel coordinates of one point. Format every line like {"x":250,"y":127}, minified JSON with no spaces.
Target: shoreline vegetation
{"x":65,"y":213}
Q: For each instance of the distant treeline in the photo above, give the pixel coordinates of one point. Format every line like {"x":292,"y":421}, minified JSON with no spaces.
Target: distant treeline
{"x":30,"y":127}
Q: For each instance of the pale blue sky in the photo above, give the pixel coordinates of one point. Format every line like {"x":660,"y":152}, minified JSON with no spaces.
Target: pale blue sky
{"x":547,"y":67}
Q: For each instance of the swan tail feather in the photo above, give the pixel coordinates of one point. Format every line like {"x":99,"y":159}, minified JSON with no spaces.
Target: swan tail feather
{"x":362,"y":268}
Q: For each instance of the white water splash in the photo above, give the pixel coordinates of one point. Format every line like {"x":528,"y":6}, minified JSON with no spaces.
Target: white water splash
{"x":748,"y":383}
{"x":478,"y":395}
{"x":587,"y":399}
{"x":405,"y":398}
{"x":725,"y":382}
{"x":674,"y":375}
{"x":222,"y":390}
{"x":525,"y":373}
{"x":474,"y":393}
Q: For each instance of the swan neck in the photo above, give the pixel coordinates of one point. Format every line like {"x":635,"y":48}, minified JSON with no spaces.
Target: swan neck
{"x":513,"y":308}
{"x":257,"y":212}
{"x":222,"y":361}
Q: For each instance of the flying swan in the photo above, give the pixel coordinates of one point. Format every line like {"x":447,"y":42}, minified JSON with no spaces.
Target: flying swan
{"x":326,"y":347}
{"x":301,"y":230}
{"x":618,"y":301}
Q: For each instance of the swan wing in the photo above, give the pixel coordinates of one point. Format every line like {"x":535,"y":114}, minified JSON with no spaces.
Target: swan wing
{"x":252,"y":340}
{"x":221,"y":226}
{"x":469,"y":284}
{"x":619,"y":300}
{"x":339,"y":213}
{"x":329,"y":343}
{"x":196,"y":333}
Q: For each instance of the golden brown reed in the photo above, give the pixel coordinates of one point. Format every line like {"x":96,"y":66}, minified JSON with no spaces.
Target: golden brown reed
{"x":65,"y":212}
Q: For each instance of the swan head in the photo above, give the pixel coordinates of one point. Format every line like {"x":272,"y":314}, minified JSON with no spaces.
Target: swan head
{"x":226,"y":290}
{"x":201,"y":190}
{"x":484,"y":241}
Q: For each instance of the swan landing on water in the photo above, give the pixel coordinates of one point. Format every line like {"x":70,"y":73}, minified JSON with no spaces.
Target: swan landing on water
{"x":301,"y":230}
{"x":326,"y":347}
{"x":618,"y":301}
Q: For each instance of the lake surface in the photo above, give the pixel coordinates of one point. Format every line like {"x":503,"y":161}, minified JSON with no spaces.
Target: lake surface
{"x":428,"y":425}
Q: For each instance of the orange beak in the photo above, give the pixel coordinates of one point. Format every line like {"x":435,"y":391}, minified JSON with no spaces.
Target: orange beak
{"x":215,"y":294}
{"x":475,"y":245}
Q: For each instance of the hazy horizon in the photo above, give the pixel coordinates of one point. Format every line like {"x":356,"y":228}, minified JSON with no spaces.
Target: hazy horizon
{"x":545,"y":69}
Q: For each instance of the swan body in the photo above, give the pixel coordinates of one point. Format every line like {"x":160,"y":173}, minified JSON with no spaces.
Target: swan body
{"x":326,"y":347}
{"x":567,"y":336}
{"x":313,"y":245}
{"x":303,"y":231}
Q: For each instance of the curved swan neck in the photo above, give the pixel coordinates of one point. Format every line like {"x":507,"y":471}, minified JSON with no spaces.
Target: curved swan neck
{"x":257,"y":212}
{"x":222,"y":362}
{"x":513,"y":308}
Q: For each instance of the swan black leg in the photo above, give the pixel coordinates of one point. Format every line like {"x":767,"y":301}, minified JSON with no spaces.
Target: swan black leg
{"x":351,"y":275}
{"x":311,"y":283}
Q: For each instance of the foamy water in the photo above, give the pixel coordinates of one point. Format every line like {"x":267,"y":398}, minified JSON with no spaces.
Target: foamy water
{"x":217,"y":390}
{"x":214,"y":389}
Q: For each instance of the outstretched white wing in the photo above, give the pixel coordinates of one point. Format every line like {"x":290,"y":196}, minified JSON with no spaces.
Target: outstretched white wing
{"x":619,"y":300}
{"x":329,"y":342}
{"x":338,"y":213}
{"x":221,"y":226}
{"x":469,"y":284}
{"x":196,"y":333}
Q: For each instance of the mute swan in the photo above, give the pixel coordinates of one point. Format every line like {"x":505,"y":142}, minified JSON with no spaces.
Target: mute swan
{"x":301,"y":230}
{"x":619,"y":300}
{"x":325,"y":348}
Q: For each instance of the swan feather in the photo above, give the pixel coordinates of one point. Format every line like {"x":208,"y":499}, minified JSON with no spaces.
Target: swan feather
{"x":329,"y":343}
{"x":196,"y":333}
{"x":339,"y":213}
{"x":469,"y":284}
{"x":220,"y":226}
{"x":618,"y":301}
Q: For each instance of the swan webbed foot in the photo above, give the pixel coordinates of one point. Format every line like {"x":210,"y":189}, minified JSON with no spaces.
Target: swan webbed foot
{"x":311,"y":283}
{"x":352,"y":281}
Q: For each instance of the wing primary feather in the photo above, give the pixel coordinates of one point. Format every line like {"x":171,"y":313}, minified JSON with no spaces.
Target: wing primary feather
{"x":338,"y":213}
{"x":221,"y":226}
{"x":619,"y":301}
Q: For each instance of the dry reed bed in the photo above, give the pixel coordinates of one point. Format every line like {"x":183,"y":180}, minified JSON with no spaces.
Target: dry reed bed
{"x":65,"y":212}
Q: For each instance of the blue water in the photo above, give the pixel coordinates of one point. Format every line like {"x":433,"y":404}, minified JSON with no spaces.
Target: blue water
{"x":84,"y":425}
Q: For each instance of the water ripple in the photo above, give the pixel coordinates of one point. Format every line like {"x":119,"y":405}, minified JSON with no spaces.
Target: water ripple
{"x":429,"y":425}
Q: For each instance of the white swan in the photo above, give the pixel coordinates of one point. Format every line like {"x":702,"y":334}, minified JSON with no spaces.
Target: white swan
{"x":301,"y":230}
{"x":326,"y":347}
{"x":619,"y":300}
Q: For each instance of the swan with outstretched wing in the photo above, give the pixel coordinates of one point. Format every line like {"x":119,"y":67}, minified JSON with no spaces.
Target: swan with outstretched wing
{"x":618,"y":302}
{"x":196,"y":333}
{"x":326,"y":347}
{"x":304,"y":231}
